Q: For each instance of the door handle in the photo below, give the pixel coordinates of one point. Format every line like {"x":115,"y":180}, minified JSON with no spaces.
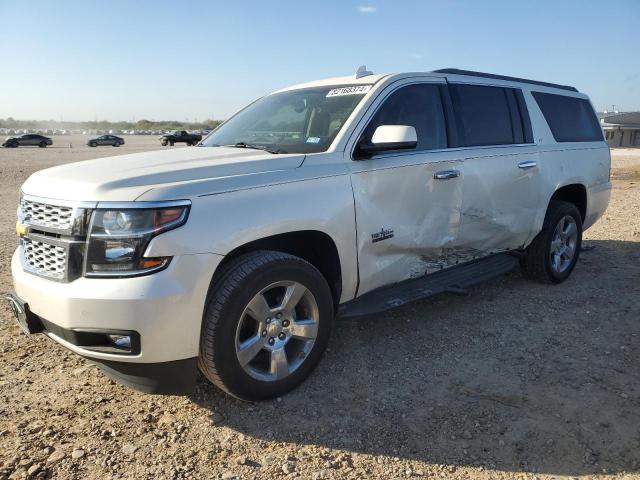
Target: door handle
{"x":446,"y":174}
{"x":528,"y":164}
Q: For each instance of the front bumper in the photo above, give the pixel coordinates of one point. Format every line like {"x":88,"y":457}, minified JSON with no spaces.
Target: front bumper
{"x":164,"y":308}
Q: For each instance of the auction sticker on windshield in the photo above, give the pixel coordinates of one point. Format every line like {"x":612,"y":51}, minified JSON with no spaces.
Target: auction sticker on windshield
{"x":353,"y":90}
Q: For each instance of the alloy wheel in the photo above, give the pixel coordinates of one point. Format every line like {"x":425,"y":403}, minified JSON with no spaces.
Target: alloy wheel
{"x":563,"y":244}
{"x":277,"y":331}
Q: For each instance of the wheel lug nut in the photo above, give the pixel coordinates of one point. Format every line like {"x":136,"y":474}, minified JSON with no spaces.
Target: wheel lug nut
{"x":264,"y":333}
{"x":272,"y":341}
{"x":281,"y":336}
{"x":285,"y":323}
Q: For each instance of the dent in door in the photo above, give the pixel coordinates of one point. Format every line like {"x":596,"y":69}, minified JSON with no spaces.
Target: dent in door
{"x":407,"y":221}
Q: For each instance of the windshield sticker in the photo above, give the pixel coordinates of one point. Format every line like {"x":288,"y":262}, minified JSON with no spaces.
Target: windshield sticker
{"x":313,"y":140}
{"x":354,"y":90}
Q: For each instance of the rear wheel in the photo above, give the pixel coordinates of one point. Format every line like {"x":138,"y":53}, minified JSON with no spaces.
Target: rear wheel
{"x":553,"y":254}
{"x":266,"y":325}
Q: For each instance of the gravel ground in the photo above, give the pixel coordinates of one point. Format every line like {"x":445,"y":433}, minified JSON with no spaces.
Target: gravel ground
{"x":515,"y":380}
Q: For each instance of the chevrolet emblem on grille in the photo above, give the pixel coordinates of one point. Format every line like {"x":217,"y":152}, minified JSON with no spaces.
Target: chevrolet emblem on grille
{"x":20,"y":229}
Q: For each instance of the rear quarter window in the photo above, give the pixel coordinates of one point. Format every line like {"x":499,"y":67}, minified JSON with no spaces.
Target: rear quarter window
{"x":570,"y":119}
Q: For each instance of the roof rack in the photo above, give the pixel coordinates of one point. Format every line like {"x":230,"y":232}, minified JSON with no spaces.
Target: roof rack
{"x":456,"y":71}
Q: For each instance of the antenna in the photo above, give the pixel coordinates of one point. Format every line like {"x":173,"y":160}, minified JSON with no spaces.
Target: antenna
{"x":363,"y":72}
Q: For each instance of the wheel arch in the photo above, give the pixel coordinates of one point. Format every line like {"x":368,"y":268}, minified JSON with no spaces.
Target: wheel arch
{"x":575,"y":193}
{"x":314,"y":246}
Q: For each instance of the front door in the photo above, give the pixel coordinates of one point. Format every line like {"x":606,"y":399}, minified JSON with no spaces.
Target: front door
{"x":407,"y":202}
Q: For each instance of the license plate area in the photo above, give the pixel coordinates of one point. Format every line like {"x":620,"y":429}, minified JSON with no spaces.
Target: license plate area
{"x":27,"y":321}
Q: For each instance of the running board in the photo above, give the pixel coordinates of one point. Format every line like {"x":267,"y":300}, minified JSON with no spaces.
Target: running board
{"x":451,"y":280}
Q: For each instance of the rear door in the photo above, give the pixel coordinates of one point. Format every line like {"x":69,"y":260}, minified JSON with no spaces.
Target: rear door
{"x":407,"y":202}
{"x":502,"y":186}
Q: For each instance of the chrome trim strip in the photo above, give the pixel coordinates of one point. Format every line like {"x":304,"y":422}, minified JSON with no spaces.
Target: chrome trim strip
{"x":134,"y":205}
{"x":58,"y":202}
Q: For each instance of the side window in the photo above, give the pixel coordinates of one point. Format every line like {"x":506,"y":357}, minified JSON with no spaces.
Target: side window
{"x":419,"y":106}
{"x":486,"y":115}
{"x":570,"y":119}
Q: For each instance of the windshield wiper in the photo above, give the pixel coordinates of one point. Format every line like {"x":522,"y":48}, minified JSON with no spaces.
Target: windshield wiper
{"x":256,"y":147}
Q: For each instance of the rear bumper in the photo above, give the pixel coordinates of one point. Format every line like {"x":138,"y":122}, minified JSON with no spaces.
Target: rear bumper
{"x":165,"y":309}
{"x":597,"y":202}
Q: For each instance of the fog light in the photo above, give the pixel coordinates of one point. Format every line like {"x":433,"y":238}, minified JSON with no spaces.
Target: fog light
{"x":121,"y":341}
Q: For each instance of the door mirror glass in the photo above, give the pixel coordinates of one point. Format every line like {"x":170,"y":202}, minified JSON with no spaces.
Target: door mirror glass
{"x":388,"y":137}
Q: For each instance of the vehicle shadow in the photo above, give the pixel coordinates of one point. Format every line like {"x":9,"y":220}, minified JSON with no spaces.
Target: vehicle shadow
{"x":516,"y":376}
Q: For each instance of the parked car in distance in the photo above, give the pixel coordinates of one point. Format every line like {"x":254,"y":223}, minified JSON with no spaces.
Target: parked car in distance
{"x":342,"y":197}
{"x":28,"y":140}
{"x":106,"y":140}
{"x":180,"y":136}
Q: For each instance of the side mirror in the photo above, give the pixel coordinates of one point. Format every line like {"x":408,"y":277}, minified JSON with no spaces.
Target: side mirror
{"x":388,"y":137}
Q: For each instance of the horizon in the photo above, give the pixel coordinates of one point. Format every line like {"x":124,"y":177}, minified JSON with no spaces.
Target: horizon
{"x":133,"y":61}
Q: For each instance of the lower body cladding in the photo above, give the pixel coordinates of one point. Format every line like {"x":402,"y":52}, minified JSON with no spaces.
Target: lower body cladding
{"x":142,"y":331}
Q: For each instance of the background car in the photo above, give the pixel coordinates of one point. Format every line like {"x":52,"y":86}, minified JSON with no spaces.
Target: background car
{"x":106,"y":140}
{"x":30,"y":139}
{"x":180,"y":136}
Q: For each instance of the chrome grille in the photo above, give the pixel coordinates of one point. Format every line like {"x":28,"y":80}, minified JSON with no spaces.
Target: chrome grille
{"x":45,"y":215}
{"x":44,"y":259}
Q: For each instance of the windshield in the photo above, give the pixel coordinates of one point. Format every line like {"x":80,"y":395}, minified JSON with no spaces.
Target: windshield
{"x":297,"y":121}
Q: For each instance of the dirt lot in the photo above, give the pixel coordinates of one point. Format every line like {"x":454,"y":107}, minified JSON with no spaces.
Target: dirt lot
{"x":515,"y":380}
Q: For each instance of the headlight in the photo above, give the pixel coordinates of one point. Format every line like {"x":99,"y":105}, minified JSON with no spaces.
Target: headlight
{"x":119,"y":236}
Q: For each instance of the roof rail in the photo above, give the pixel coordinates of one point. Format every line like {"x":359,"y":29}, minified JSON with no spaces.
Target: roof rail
{"x":456,"y":71}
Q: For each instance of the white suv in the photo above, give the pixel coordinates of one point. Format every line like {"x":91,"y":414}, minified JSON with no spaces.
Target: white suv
{"x":345,"y":196}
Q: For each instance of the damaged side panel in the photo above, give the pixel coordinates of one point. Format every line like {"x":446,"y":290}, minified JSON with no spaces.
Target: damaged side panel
{"x":411,"y":224}
{"x":407,"y":221}
{"x":501,"y":199}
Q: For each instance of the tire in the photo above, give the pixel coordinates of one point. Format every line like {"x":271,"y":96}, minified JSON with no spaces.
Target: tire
{"x":171,"y":143}
{"x":116,"y":144}
{"x":543,"y":261}
{"x":228,"y":323}
{"x":93,"y":144}
{"x":42,"y":144}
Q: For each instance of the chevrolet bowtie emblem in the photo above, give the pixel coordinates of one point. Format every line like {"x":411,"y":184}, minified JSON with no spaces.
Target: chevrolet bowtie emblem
{"x":20,"y":229}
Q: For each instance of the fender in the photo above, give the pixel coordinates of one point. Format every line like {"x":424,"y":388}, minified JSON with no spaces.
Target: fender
{"x":223,"y":222}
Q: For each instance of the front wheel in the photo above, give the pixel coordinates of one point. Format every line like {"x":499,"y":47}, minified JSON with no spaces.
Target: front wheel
{"x":266,"y":325}
{"x":164,"y":143}
{"x":553,"y":254}
{"x":42,"y":144}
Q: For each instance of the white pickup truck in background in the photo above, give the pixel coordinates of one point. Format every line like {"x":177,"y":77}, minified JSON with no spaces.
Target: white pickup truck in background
{"x":344,"y":196}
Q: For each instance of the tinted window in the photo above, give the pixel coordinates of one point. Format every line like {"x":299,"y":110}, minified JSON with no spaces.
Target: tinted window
{"x":570,"y":119}
{"x":484,"y":115}
{"x":419,"y":106}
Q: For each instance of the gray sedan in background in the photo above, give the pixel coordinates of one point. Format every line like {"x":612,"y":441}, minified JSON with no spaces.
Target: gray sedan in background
{"x":29,"y":139}
{"x":106,"y":140}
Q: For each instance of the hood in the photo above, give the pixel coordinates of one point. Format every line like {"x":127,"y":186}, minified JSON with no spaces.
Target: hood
{"x":127,"y":177}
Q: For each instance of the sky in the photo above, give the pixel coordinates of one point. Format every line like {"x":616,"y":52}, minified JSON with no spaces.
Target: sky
{"x":194,"y":60}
